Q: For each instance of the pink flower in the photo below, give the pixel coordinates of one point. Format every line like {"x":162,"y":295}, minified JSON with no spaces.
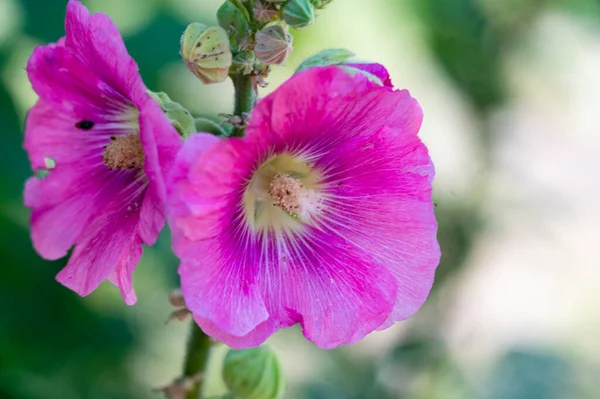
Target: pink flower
{"x":108,"y":146}
{"x":321,"y":215}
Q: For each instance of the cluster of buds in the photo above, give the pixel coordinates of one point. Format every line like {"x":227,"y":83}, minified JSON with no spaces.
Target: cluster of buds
{"x":251,"y":36}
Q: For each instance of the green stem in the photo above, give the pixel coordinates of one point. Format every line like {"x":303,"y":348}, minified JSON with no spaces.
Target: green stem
{"x":245,"y":99}
{"x":196,"y":359}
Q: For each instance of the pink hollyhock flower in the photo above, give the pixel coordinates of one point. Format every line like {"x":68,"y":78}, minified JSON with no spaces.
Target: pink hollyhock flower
{"x":321,"y":215}
{"x":108,"y":145}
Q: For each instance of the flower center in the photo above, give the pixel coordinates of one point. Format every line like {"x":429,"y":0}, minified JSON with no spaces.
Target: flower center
{"x":283,"y":194}
{"x":289,"y":194}
{"x":124,"y":152}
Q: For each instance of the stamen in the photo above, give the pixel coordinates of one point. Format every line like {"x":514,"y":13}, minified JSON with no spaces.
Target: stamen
{"x":124,"y":152}
{"x":289,"y":194}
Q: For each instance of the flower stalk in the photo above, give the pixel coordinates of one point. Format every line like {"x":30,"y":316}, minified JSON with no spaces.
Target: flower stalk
{"x":245,"y":99}
{"x":196,"y":360}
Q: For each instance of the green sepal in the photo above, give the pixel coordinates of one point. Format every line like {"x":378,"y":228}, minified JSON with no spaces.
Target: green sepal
{"x":334,"y":56}
{"x":243,"y":62}
{"x":181,"y":119}
{"x":209,"y":126}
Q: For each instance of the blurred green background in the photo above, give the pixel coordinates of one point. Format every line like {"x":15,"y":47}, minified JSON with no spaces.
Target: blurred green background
{"x":510,"y":91}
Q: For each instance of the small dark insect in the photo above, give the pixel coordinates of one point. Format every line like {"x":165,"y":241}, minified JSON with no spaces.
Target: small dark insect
{"x":84,"y":125}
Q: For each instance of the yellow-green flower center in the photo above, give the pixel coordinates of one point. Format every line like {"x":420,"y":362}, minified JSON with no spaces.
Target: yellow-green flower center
{"x":283,"y":194}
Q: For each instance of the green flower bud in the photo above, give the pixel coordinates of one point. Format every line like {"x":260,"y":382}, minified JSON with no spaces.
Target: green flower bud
{"x":253,"y":373}
{"x":298,"y":13}
{"x":334,"y":56}
{"x":180,"y":118}
{"x":233,"y":21}
{"x":206,"y":52}
{"x":273,"y":45}
{"x":243,"y":62}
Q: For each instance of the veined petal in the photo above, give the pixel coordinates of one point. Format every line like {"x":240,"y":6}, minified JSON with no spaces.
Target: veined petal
{"x":109,"y":242}
{"x":96,"y":41}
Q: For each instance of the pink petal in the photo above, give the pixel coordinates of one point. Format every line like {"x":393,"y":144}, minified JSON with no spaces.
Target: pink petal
{"x":222,"y":292}
{"x":328,"y":103}
{"x":332,"y":287}
{"x":49,"y":134}
{"x":97,"y":42}
{"x":254,"y":338}
{"x":375,"y":69}
{"x":54,"y":209}
{"x":108,"y":243}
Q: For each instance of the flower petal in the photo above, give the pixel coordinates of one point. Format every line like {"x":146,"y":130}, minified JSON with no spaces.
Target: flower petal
{"x":334,"y":289}
{"x":375,"y":69}
{"x":96,"y":41}
{"x":201,"y":281}
{"x":109,"y":243}
{"x":324,"y":104}
{"x":254,"y":338}
{"x":53,"y":209}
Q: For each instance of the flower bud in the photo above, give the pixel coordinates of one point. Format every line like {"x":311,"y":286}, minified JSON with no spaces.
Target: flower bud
{"x":253,"y":373}
{"x":206,"y":52}
{"x":273,"y":45}
{"x":180,"y":118}
{"x":265,"y":11}
{"x":243,"y":62}
{"x":298,"y":13}
{"x":233,"y":21}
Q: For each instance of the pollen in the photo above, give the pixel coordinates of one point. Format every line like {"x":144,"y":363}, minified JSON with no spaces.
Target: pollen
{"x":286,"y":192}
{"x":289,"y":194}
{"x":124,"y":152}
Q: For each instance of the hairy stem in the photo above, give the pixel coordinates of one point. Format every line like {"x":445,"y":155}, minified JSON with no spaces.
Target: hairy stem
{"x":196,"y":359}
{"x":245,"y":99}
